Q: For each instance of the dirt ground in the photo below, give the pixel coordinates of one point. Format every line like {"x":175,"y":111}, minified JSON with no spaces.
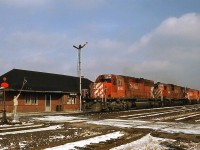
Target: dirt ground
{"x":72,"y":131}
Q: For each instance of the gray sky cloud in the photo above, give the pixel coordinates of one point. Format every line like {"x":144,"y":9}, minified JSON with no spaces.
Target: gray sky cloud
{"x":135,"y":38}
{"x":24,"y":3}
{"x":171,"y":51}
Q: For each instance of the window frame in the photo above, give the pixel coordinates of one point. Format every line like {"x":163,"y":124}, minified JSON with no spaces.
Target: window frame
{"x":31,"y":100}
{"x":119,"y":82}
{"x":71,"y":100}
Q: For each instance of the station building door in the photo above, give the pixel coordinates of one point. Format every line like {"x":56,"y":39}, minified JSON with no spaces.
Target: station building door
{"x":47,"y":102}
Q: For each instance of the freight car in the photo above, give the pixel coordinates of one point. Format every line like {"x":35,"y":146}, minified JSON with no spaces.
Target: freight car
{"x":117,"y":92}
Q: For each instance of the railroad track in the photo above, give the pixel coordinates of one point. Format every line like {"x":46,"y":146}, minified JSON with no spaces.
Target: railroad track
{"x":144,"y":113}
{"x":44,"y":133}
{"x":161,"y":114}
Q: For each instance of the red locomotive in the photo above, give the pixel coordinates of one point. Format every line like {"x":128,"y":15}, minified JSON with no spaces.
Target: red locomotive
{"x":111,"y":92}
{"x":193,"y":96}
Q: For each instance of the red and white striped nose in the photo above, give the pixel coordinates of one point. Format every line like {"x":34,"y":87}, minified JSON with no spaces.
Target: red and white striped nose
{"x":157,"y":93}
{"x":99,"y":90}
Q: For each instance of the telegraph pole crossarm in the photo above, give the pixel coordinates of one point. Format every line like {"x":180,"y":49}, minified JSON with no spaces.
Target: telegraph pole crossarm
{"x":79,"y":70}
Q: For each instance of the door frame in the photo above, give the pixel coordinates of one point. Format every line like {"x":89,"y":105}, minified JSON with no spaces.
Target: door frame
{"x":48,"y":98}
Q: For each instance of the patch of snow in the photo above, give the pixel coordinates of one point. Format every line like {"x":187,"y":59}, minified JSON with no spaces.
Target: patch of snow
{"x":169,"y":127}
{"x":33,"y":130}
{"x":4,"y":148}
{"x":143,"y":115}
{"x":21,"y":127}
{"x":7,"y":125}
{"x":89,"y":141}
{"x":162,"y":126}
{"x":22,"y":144}
{"x":157,"y":114}
{"x":75,"y":128}
{"x":119,"y":123}
{"x":156,"y":125}
{"x":61,"y":119}
{"x":187,"y":117}
{"x":56,"y":137}
{"x":170,"y":117}
{"x":183,"y":128}
{"x":190,"y":146}
{"x":147,"y":142}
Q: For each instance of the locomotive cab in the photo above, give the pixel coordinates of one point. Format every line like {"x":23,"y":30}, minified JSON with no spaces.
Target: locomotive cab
{"x":102,"y":87}
{"x":108,"y":86}
{"x":107,"y":91}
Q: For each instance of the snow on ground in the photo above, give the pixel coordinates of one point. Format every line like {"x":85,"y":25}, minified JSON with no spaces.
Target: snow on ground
{"x":147,"y":142}
{"x":179,"y":117}
{"x":144,"y":115}
{"x":189,"y":116}
{"x":197,"y":120}
{"x":184,"y":128}
{"x":150,"y":114}
{"x":10,"y":127}
{"x":56,"y":137}
{"x":169,"y":127}
{"x":22,"y":144}
{"x":54,"y":127}
{"x":61,"y":119}
{"x":83,"y":143}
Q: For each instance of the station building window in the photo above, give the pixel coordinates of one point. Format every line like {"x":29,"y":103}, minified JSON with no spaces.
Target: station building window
{"x":71,"y":99}
{"x":31,"y":100}
{"x":34,"y":100}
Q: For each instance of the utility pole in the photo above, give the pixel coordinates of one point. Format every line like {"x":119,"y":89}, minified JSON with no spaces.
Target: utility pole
{"x":79,"y":70}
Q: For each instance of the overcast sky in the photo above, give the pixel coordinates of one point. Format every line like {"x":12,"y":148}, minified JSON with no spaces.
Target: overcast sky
{"x":153,"y":39}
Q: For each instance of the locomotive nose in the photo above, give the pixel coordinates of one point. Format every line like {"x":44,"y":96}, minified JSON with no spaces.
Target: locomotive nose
{"x":97,"y":90}
{"x":100,"y":90}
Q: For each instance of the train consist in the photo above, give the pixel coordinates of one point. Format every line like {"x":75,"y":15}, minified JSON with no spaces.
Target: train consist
{"x":117,"y":92}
